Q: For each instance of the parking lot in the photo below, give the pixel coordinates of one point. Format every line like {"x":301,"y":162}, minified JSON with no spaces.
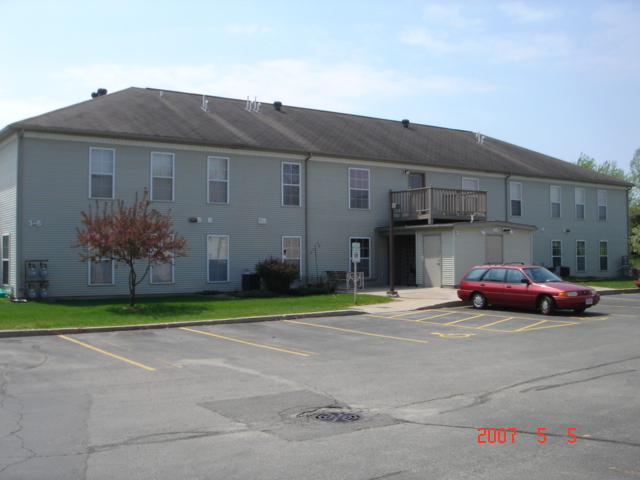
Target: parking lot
{"x":448,"y":393}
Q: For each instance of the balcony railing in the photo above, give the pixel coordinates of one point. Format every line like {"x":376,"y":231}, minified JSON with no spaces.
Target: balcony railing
{"x":431,"y":203}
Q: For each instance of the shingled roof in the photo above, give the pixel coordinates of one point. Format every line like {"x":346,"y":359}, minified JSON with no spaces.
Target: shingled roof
{"x":166,"y":116}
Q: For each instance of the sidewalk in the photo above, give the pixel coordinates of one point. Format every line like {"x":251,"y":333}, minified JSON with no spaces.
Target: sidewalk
{"x":411,"y":298}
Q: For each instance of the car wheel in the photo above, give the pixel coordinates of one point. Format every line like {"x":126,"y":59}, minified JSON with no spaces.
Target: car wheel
{"x":547,"y":305}
{"x":579,"y":310}
{"x":478,"y":300}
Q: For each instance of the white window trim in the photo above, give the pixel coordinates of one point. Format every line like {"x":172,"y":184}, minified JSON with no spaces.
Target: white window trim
{"x":171,"y":261}
{"x":477,"y":181}
{"x":293,"y":258}
{"x":282,"y":184}
{"x":584,"y":198}
{"x":113,"y":277}
{"x":581,"y":256}
{"x":551,"y":202}
{"x":368,"y":189}
{"x":172,"y":177}
{"x":226,"y":181}
{"x":606,"y":256}
{"x":606,"y":201}
{"x":511,"y":198}
{"x":555,"y":256}
{"x":113,"y":175}
{"x":228,"y":280}
{"x":370,"y":257}
{"x":7,"y":259}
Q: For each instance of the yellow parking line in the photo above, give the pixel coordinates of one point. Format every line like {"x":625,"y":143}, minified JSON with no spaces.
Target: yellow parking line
{"x":129,"y":350}
{"x":499,"y":321}
{"x":357,"y":331}
{"x":413,"y":313}
{"x":465,"y":319}
{"x":248,"y":343}
{"x":107,"y":353}
{"x":630,"y":472}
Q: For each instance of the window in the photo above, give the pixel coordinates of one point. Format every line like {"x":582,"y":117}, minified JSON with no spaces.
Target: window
{"x":556,"y":253}
{"x":4,"y":280}
{"x":358,"y":188}
{"x":365,"y":255}
{"x":555,"y":202}
{"x":101,"y":272}
{"x":470,"y":184}
{"x":291,"y":251}
{"x":218,"y":258}
{"x":515,"y":276}
{"x":515,"y":195}
{"x":102,"y":170}
{"x":162,"y":177}
{"x":496,"y":275}
{"x":581,"y":256}
{"x":604,"y":258}
{"x":602,"y":204}
{"x":580,"y":196}
{"x":218,"y":180}
{"x":162,"y":272}
{"x":291,"y":184}
{"x":416,"y":180}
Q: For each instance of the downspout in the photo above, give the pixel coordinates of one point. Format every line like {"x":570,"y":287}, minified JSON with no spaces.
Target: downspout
{"x":18,"y":226}
{"x":506,"y":197}
{"x":628,"y":227}
{"x":306,"y":213}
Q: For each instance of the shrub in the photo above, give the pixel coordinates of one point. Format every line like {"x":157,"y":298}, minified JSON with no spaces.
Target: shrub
{"x":307,"y":291}
{"x":276,"y":275}
{"x":256,"y":294}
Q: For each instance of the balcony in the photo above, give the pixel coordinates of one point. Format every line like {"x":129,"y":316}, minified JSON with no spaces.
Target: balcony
{"x":445,"y":204}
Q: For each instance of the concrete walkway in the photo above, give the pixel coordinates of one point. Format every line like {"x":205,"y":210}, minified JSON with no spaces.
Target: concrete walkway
{"x":411,"y":298}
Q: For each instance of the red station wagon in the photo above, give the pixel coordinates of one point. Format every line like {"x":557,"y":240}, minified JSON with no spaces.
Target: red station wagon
{"x":518,"y":285}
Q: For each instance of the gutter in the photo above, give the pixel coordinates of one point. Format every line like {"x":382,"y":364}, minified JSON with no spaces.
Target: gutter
{"x":306,"y":212}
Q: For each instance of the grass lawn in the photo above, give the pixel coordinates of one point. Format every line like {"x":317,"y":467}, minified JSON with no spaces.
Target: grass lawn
{"x":626,"y":282}
{"x":110,"y":312}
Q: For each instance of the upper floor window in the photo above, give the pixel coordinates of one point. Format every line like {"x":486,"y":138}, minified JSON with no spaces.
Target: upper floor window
{"x":470,"y":184}
{"x":580,"y":197}
{"x":162,"y":170}
{"x":365,"y":255}
{"x":218,"y":180}
{"x":358,"y":188}
{"x":556,"y":253}
{"x":515,"y":196}
{"x":291,"y":251}
{"x":218,"y":258}
{"x":291,"y":184}
{"x":4,"y":280}
{"x":102,"y":172}
{"x":555,"y":196}
{"x":416,"y":180}
{"x":602,"y":204}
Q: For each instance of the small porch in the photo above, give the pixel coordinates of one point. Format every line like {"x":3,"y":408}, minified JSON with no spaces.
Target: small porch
{"x":443,"y":204}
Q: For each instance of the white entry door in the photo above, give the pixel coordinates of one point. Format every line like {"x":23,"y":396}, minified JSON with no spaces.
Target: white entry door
{"x":431,"y":254}
{"x":493,"y":252}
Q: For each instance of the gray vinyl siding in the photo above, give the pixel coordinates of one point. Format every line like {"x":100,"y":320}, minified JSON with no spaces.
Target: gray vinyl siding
{"x":8,"y":199}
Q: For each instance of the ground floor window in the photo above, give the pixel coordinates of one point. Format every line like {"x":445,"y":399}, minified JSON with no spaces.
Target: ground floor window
{"x":5,"y":260}
{"x":101,"y":272}
{"x":218,"y":258}
{"x":581,"y":256}
{"x":162,"y":272}
{"x":604,"y":256}
{"x":365,"y":255}
{"x":556,"y":253}
{"x":291,"y":251}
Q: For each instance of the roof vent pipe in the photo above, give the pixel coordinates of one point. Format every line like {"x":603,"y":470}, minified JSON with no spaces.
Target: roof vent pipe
{"x":277,"y":105}
{"x":405,"y":122}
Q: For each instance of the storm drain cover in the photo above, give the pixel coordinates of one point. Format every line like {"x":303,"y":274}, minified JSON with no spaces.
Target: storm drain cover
{"x":337,"y":417}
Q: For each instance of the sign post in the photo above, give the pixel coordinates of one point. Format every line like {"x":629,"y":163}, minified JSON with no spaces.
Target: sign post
{"x":355,"y":258}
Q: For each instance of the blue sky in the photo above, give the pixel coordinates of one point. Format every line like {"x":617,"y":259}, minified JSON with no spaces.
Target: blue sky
{"x":558,"y":77}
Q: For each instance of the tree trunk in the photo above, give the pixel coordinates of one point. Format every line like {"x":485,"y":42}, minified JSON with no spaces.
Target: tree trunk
{"x":132,"y":287}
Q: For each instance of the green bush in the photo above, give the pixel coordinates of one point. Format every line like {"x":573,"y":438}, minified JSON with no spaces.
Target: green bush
{"x":308,"y":291}
{"x":256,"y":294}
{"x":276,"y":275}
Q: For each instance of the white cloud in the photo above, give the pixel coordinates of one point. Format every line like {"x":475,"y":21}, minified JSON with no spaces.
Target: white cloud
{"x":522,"y":13}
{"x":451,"y":15}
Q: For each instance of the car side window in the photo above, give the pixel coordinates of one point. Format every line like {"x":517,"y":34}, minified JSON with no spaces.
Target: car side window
{"x":496,"y":275}
{"x":475,"y":274}
{"x":514,"y":276}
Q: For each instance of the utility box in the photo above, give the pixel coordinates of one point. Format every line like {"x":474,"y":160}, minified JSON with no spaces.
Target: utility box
{"x":250,"y":281}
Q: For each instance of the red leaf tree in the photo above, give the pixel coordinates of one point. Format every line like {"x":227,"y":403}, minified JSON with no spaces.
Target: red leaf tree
{"x":129,"y":235}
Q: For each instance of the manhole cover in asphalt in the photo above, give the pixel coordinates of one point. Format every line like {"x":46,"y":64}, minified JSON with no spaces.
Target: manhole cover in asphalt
{"x":337,"y":417}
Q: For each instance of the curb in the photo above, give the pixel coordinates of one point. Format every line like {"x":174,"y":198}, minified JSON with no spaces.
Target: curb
{"x":194,"y":323}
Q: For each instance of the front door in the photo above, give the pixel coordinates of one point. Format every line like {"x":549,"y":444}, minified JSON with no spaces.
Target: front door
{"x":493,"y":252}
{"x":431,"y":254}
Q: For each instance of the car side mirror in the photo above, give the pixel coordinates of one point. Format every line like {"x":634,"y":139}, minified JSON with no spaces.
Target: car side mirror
{"x":525,"y":281}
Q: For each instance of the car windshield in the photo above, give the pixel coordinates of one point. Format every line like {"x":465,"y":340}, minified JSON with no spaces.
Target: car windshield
{"x":541,"y":275}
